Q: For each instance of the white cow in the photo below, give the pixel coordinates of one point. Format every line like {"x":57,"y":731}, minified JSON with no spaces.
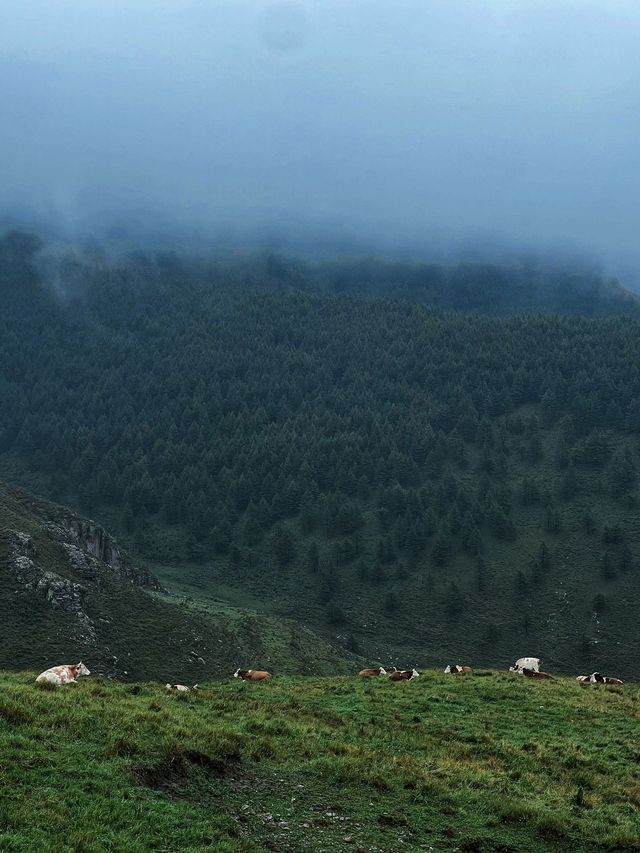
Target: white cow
{"x":525,"y":663}
{"x":64,"y":674}
{"x":181,"y":688}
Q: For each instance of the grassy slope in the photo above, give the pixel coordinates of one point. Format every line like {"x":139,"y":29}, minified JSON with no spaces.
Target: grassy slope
{"x":150,"y":635}
{"x":482,"y":763}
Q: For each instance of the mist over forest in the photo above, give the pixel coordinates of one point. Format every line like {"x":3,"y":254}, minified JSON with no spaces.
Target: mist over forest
{"x":443,"y":129}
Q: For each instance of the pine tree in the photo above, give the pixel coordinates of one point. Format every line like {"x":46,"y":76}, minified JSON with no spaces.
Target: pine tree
{"x":441,"y":549}
{"x":390,"y":604}
{"x":481,"y":575}
{"x":521,"y":585}
{"x":453,"y":603}
{"x":282,"y":546}
{"x":607,"y":569}
{"x":312,"y":560}
{"x":568,"y":486}
{"x":553,"y":520}
{"x":622,"y":473}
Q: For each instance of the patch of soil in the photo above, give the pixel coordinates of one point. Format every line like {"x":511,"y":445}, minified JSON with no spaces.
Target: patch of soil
{"x":170,"y":776}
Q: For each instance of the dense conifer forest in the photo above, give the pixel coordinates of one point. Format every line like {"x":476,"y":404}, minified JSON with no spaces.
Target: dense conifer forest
{"x":366,"y":446}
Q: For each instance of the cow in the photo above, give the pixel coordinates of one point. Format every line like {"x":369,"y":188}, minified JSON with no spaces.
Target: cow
{"x":535,"y":673}
{"x":583,"y":679}
{"x":404,"y":675}
{"x":64,"y":674}
{"x":372,"y":673}
{"x":529,"y":663}
{"x":180,"y":688}
{"x":598,"y":678}
{"x":456,"y":669}
{"x":252,"y":674}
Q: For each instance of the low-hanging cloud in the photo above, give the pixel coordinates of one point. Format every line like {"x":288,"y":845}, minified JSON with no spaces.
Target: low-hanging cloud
{"x":409,"y":123}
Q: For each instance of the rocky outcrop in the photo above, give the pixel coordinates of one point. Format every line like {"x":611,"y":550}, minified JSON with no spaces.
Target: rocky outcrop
{"x":91,"y":549}
{"x":86,"y":554}
{"x":61,"y":593}
{"x":94,"y":540}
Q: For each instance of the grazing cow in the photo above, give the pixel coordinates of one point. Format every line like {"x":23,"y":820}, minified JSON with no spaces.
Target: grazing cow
{"x":598,"y":678}
{"x":252,"y":674}
{"x":456,"y":669}
{"x":64,"y":674}
{"x":404,"y":675}
{"x":372,"y":673}
{"x":529,"y":663}
{"x":181,"y":688}
{"x":535,"y":673}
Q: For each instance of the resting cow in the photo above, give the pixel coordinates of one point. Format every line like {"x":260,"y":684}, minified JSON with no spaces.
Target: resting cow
{"x":534,"y":673}
{"x":598,"y":678}
{"x":456,"y":669}
{"x":181,"y":688}
{"x":372,"y":673}
{"x":252,"y":674}
{"x":64,"y":674}
{"x":528,"y":663}
{"x":404,"y":675}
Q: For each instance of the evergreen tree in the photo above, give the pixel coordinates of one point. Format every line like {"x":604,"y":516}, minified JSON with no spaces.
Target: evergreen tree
{"x":282,"y":546}
{"x":441,"y":549}
{"x":312,"y":561}
{"x":390,"y":604}
{"x":622,"y":472}
{"x":607,"y":569}
{"x":481,"y":575}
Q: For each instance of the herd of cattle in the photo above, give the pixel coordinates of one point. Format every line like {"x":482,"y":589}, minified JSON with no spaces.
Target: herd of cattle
{"x":528,"y":666}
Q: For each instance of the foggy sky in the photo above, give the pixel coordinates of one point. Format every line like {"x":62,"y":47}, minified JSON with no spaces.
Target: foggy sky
{"x":406,"y":122}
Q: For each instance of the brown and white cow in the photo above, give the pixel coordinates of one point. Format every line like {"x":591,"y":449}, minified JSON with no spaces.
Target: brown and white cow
{"x":534,"y":673}
{"x":404,"y":675}
{"x":529,"y":663}
{"x":180,"y":688}
{"x":372,"y":673}
{"x":598,"y":678}
{"x":64,"y":674}
{"x":583,"y":679}
{"x":252,"y":674}
{"x":456,"y":669}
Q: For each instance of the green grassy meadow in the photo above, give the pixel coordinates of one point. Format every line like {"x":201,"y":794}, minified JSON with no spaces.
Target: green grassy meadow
{"x":483,"y":763}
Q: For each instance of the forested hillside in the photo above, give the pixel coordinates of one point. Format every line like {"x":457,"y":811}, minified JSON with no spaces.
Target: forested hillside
{"x":407,"y":479}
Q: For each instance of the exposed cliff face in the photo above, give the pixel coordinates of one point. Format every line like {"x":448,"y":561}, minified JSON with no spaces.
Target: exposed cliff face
{"x":86,"y":556}
{"x":59,"y":592}
{"x":91,"y":549}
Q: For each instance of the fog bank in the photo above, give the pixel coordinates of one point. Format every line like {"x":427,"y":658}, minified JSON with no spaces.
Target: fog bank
{"x":414,"y":125}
